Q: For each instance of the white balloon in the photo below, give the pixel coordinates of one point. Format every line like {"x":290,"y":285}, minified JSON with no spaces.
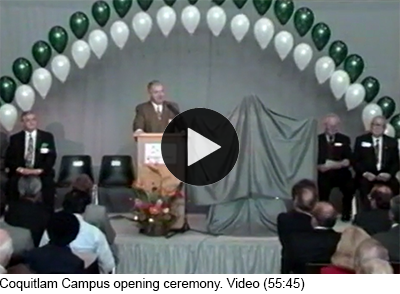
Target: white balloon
{"x":42,"y":80}
{"x":354,"y":96}
{"x":8,"y":116}
{"x":303,"y":54}
{"x":264,"y":30}
{"x":339,"y":83}
{"x":216,"y":20}
{"x":98,"y":42}
{"x":80,"y":53}
{"x":119,"y":33}
{"x":370,"y":111}
{"x":324,"y":68}
{"x":60,"y":66}
{"x":25,"y":97}
{"x":240,"y":25}
{"x":190,"y":18}
{"x":389,"y":131}
{"x":166,"y":19}
{"x":283,"y":44}
{"x":142,"y":24}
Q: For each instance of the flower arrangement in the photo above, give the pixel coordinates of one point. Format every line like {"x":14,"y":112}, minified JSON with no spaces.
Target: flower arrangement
{"x":154,"y":205}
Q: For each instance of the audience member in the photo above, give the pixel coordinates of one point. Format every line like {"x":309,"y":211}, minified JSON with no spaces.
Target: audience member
{"x":369,"y":249}
{"x":316,"y":246}
{"x":90,"y":240}
{"x":6,"y":250}
{"x":375,"y":266}
{"x":31,"y":154}
{"x":22,"y":238}
{"x":377,"y":219}
{"x":305,"y":196}
{"x":342,"y":261}
{"x":376,"y":160}
{"x":391,"y":239}
{"x":3,"y":174}
{"x":57,"y":257}
{"x":334,"y":157}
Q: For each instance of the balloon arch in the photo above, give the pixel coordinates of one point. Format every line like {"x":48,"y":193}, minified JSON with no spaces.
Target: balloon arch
{"x":338,"y":66}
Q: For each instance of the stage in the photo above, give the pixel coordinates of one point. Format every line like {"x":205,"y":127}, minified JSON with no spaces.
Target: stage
{"x":194,"y":253}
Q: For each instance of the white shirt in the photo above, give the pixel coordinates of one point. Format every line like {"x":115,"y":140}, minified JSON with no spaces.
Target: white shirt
{"x":157,"y":107}
{"x":34,"y":135}
{"x":92,"y":241}
{"x":379,"y":141}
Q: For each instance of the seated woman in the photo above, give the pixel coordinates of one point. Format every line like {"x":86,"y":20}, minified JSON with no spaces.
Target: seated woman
{"x":344,"y":256}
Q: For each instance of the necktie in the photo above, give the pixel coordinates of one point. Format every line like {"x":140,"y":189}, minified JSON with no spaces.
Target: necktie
{"x":376,"y":149}
{"x":29,"y":153}
{"x":158,"y":110}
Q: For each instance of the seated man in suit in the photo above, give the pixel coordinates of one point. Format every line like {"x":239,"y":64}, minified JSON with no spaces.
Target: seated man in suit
{"x":334,"y":156}
{"x":376,"y":160}
{"x":316,"y":246}
{"x":391,"y":239}
{"x":31,"y":153}
{"x":304,"y":194}
{"x":3,"y":174}
{"x":377,"y":219}
{"x":154,"y":116}
{"x":56,"y":257}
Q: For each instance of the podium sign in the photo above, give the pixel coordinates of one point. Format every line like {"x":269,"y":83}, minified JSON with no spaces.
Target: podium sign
{"x":149,"y":153}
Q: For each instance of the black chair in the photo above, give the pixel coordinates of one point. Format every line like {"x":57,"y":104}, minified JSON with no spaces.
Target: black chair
{"x":314,"y":268}
{"x":116,"y":171}
{"x":73,"y":166}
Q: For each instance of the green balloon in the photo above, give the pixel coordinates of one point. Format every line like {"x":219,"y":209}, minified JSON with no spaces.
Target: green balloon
{"x":101,"y":12}
{"x":144,"y":4}
{"x":41,"y":52}
{"x":372,"y":88}
{"x":58,"y":38}
{"x":169,"y":2}
{"x":321,"y":34}
{"x":354,"y":66}
{"x":338,"y":52}
{"x":387,"y":105}
{"x":303,"y":20}
{"x":262,"y":6}
{"x":7,"y":89}
{"x":192,"y":2}
{"x":122,"y":7}
{"x":218,"y":2}
{"x":22,"y":69}
{"x":239,"y":3}
{"x":79,"y":24}
{"x":395,"y":122}
{"x":283,"y":10}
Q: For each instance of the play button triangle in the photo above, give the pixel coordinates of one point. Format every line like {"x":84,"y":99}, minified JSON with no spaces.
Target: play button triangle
{"x":199,"y":147}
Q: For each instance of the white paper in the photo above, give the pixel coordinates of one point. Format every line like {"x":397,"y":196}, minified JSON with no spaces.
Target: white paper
{"x":153,"y":154}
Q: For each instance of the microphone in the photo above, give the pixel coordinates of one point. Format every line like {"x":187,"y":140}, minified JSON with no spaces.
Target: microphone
{"x":171,"y":107}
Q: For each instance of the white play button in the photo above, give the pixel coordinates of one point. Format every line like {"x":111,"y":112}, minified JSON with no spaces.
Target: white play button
{"x":199,"y":147}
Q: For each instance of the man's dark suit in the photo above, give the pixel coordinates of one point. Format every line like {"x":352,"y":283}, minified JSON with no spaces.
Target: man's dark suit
{"x":44,"y":159}
{"x":147,"y":119}
{"x":391,"y":241}
{"x":3,"y":174}
{"x":290,"y":223}
{"x":51,"y":259}
{"x":337,"y":150}
{"x":316,"y":246}
{"x":373,"y":221}
{"x":365,"y":161}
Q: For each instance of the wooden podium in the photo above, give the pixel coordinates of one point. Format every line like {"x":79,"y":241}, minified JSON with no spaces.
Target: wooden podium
{"x":149,"y":153}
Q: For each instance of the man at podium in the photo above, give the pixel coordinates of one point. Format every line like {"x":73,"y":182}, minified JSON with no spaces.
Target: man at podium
{"x":154,"y":115}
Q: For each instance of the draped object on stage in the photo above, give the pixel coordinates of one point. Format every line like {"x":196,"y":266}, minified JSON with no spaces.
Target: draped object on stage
{"x":275,"y":152}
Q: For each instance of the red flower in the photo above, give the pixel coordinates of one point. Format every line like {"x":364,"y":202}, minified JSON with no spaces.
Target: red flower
{"x":154,"y":210}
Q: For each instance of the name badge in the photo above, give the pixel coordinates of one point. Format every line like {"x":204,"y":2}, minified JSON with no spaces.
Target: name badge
{"x":338,"y":144}
{"x":366,"y":144}
{"x":44,"y":150}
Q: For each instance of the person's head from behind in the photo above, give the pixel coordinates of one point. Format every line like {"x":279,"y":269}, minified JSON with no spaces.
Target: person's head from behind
{"x":29,"y":121}
{"x":6,"y":248}
{"x":62,"y":228}
{"x":395,"y":210}
{"x":345,"y":252}
{"x":76,"y":202}
{"x":324,"y":214}
{"x":30,"y":189}
{"x":331,"y":124}
{"x":304,"y":195}
{"x":83,"y":183}
{"x":367,"y":250}
{"x":375,"y":267}
{"x":378,"y":126}
{"x":380,"y":196}
{"x":156,"y":92}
